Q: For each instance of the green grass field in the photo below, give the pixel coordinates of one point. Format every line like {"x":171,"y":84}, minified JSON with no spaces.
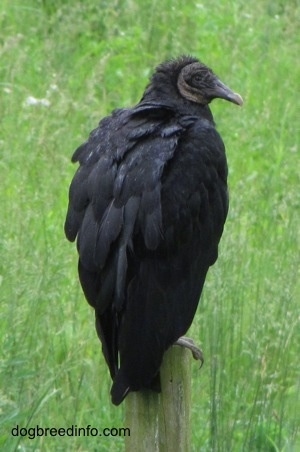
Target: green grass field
{"x":65,"y":64}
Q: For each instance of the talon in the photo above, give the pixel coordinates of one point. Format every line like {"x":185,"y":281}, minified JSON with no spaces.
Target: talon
{"x":190,"y":344}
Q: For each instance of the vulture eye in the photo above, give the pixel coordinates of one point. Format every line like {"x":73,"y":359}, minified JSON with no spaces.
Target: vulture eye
{"x":197,"y":78}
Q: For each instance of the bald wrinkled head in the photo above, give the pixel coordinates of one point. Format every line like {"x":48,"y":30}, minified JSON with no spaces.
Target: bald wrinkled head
{"x":197,"y":83}
{"x":188,"y":78}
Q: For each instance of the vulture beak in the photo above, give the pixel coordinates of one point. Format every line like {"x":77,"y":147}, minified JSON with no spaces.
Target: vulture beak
{"x":222,"y":91}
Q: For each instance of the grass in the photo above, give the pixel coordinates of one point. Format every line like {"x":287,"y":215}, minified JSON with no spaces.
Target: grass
{"x":82,"y":59}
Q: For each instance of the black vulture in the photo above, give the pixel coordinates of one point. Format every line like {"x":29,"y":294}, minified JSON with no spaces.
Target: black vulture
{"x":148,"y":205}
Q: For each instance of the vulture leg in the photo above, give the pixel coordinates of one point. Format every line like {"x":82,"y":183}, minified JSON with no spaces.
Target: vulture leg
{"x":197,"y":353}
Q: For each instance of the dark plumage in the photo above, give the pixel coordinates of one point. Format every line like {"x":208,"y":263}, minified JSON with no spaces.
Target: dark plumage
{"x":148,"y":205}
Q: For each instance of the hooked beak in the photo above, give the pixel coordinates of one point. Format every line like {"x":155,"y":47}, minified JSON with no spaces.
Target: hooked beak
{"x":222,"y":91}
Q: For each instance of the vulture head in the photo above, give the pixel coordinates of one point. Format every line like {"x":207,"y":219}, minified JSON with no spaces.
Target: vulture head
{"x":188,"y":78}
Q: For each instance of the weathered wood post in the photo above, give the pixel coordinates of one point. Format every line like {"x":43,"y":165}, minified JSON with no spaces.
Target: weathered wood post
{"x":161,"y":422}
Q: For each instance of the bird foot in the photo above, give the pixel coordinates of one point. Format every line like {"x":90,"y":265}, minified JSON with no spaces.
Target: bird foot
{"x":190,"y":344}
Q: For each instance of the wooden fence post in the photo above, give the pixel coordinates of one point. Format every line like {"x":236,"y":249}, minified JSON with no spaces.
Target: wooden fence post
{"x":161,"y":422}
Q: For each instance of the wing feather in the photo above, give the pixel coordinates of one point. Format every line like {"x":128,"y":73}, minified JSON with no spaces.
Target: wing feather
{"x":147,"y":204}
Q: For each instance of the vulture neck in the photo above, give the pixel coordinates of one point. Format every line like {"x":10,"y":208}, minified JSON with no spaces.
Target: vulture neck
{"x":172,"y":99}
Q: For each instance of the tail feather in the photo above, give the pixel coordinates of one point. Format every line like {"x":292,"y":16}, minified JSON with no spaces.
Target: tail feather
{"x":120,"y":388}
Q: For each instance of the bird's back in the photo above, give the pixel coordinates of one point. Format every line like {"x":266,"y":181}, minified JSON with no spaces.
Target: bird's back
{"x":148,"y":204}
